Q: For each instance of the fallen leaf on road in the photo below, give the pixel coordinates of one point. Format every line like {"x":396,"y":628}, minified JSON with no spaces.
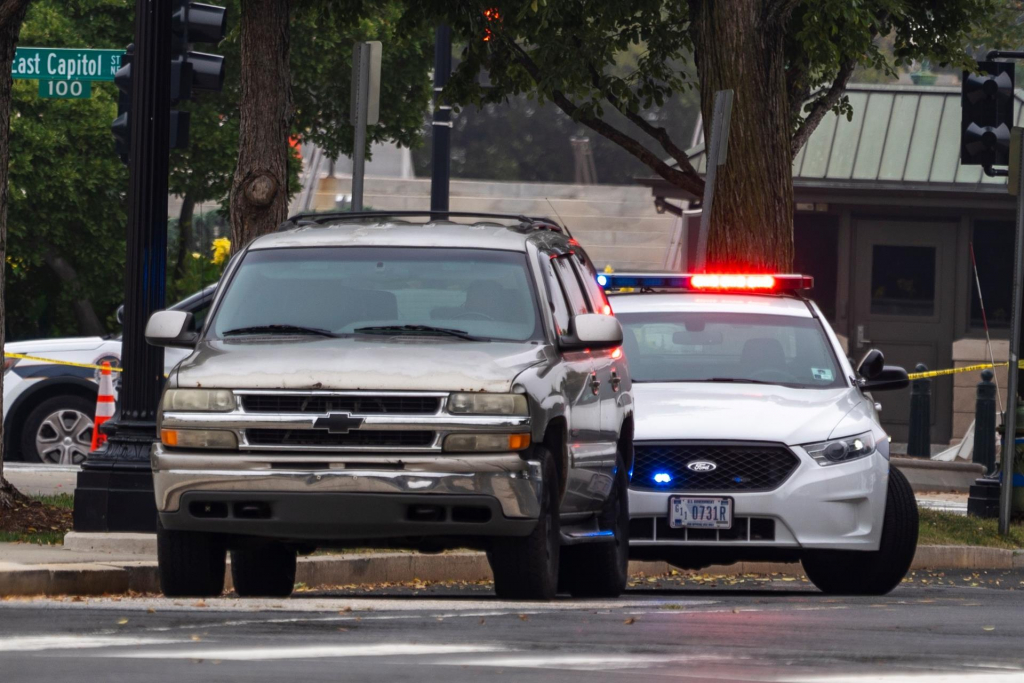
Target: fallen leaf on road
{"x":195,"y":638}
{"x":524,"y":617}
{"x":122,"y":622}
{"x":347,"y":609}
{"x":989,"y":628}
{"x":201,"y":603}
{"x":482,"y":621}
{"x":630,"y":621}
{"x":151,"y":611}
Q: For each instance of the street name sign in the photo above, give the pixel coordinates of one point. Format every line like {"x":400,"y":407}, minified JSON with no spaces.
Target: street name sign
{"x":65,"y":64}
{"x":65,"y":90}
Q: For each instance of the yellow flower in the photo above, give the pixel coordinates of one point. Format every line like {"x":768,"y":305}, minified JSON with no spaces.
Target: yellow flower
{"x":196,"y":255}
{"x":221,"y":250}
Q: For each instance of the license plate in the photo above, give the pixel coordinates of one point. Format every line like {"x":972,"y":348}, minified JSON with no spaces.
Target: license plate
{"x":699,"y":513}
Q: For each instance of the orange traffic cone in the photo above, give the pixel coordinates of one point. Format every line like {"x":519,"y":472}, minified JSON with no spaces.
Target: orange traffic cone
{"x":104,"y":406}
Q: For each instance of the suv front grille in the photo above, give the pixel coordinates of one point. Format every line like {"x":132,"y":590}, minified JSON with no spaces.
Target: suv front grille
{"x":324,"y":404}
{"x":323,"y":438}
{"x":738,"y":466}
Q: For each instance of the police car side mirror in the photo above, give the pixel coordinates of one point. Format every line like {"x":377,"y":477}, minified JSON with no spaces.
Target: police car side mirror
{"x":171,"y":329}
{"x":889,"y":377}
{"x":871,"y":364}
{"x":592,"y":331}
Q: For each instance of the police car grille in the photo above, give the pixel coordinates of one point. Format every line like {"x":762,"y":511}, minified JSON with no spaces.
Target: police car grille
{"x":739,"y":466}
{"x":359,"y":405}
{"x":320,"y":437}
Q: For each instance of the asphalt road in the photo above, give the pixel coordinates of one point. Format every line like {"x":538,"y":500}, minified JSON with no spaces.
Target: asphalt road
{"x":720,"y":629}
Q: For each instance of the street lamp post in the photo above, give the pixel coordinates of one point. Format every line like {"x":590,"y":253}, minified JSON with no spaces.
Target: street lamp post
{"x":440,"y":169}
{"x":115,"y":487}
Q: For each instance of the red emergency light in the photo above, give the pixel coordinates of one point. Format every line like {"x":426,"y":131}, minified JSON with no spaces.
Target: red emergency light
{"x":707,"y":282}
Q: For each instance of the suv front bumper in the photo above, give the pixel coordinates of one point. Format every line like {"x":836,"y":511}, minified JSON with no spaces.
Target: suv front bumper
{"x":491,"y":494}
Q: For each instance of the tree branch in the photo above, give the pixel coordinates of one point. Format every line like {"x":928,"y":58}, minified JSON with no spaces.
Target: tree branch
{"x":822,"y":105}
{"x":11,"y":9}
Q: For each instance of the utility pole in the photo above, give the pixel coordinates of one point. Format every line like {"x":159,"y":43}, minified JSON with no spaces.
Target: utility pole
{"x":440,"y":156}
{"x":364,"y":110}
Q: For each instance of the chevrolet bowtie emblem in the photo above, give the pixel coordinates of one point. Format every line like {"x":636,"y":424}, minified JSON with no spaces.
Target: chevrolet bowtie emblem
{"x":338,"y":423}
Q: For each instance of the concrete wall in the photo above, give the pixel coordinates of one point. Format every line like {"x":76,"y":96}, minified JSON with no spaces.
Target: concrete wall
{"x":617,"y":225}
{"x":973,"y":352}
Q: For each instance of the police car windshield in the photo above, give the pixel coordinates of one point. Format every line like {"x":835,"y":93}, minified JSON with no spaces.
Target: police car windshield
{"x":484,"y":294}
{"x":729,"y":348}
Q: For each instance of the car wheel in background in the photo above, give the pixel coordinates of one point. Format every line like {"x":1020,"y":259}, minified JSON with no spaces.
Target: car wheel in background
{"x":58,"y":431}
{"x":191,"y":563}
{"x":600,"y":570}
{"x":852,"y":572}
{"x":526,"y":568}
{"x":264,"y":571}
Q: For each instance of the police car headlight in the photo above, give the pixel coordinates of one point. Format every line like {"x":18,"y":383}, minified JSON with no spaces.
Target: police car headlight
{"x":836,"y":451}
{"x":488,"y":404}
{"x":198,"y":400}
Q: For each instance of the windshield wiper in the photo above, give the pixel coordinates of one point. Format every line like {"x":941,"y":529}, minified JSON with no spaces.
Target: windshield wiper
{"x":280,"y":329}
{"x":416,"y":329}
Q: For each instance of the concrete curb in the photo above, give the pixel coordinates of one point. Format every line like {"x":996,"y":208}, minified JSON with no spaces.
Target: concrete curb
{"x":342,"y":570}
{"x":933,"y":475}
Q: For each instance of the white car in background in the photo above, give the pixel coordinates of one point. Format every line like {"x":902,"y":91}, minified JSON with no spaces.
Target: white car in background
{"x":49,"y":407}
{"x":755,"y":438}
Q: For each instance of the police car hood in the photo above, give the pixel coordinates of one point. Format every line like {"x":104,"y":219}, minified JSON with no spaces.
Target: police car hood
{"x":39,"y":346}
{"x":739,"y":412}
{"x":377,"y":363}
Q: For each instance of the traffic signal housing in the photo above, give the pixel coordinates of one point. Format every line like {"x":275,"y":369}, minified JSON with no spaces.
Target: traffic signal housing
{"x":986,"y":102}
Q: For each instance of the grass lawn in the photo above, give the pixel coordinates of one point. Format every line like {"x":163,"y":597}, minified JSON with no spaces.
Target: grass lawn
{"x":943,"y":528}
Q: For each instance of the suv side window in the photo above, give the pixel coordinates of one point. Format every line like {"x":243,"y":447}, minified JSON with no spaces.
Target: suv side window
{"x":570,"y":283}
{"x":559,"y":305}
{"x":588,"y":277}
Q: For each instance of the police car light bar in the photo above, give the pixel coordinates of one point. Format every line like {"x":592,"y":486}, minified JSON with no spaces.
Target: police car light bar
{"x":703,"y":282}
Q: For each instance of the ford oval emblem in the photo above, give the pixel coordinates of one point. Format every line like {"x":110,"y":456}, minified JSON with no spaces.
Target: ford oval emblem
{"x":701,"y":466}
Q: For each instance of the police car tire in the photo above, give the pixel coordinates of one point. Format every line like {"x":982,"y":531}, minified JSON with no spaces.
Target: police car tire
{"x":526,"y":568}
{"x":44,"y":410}
{"x":266,"y":571}
{"x":191,"y":563}
{"x":600,"y":570}
{"x":850,"y":572}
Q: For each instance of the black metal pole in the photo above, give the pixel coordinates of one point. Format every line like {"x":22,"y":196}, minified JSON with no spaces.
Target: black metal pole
{"x":985,"y":422}
{"x":115,"y":486}
{"x":442,"y":134}
{"x":919,"y":441}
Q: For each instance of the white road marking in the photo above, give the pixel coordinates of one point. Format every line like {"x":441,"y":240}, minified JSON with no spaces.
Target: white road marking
{"x":41,"y":642}
{"x":586,"y":662}
{"x":263,"y":652}
{"x":959,"y":677}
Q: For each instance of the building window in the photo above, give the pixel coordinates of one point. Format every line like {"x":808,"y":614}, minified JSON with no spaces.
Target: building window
{"x":902,"y":280}
{"x":993,"y":252}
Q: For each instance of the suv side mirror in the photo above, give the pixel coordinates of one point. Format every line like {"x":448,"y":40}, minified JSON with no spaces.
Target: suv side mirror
{"x":171,"y":328}
{"x":890,"y":377}
{"x":871,"y":364}
{"x":592,"y":331}
{"x":120,"y":314}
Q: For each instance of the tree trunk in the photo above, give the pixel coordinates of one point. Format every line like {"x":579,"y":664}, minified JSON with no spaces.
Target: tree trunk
{"x":188,"y":209}
{"x":88,"y":322}
{"x":739,"y":46}
{"x":12,"y":14}
{"x":259,"y":200}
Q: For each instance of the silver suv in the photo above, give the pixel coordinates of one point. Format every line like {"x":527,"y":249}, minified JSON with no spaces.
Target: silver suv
{"x":363,"y":380}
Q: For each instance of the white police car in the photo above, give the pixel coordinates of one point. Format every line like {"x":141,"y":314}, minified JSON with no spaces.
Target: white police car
{"x":49,"y":407}
{"x":755,"y":439}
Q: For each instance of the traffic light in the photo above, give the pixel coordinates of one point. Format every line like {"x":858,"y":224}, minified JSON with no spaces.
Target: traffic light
{"x":193,"y":22}
{"x":986,"y":102}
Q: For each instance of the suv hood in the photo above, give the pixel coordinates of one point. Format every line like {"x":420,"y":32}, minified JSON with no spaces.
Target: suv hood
{"x":38,"y":346}
{"x":378,"y":363}
{"x":740,"y":412}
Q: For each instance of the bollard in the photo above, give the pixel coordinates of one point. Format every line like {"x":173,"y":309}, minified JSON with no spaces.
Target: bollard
{"x":985,"y":423}
{"x":919,"y":442}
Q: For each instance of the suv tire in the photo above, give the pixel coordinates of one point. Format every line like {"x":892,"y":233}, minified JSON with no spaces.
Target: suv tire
{"x":600,"y":570}
{"x":265,"y":571}
{"x":852,"y":572}
{"x":191,"y":563}
{"x":526,"y":568}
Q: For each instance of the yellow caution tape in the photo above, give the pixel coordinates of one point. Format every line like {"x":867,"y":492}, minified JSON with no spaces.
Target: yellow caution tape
{"x":957,"y":371}
{"x":23,"y":356}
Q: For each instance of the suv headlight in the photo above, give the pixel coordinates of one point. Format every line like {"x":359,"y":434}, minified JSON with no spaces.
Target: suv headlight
{"x":198,"y":400}
{"x":846,"y":449}
{"x":488,"y":404}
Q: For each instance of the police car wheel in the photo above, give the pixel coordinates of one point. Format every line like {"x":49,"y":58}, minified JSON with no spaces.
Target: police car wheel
{"x":266,"y":571}
{"x":851,"y":572}
{"x":191,"y":563}
{"x":526,"y":568}
{"x":58,"y":431}
{"x":600,"y":570}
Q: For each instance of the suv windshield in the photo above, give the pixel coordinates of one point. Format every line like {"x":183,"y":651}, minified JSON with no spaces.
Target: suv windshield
{"x":454,"y":293}
{"x":729,"y":347}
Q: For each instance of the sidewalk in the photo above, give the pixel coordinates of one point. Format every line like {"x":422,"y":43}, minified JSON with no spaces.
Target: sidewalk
{"x":55,"y":570}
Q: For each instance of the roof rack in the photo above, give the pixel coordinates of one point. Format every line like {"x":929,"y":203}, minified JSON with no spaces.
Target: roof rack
{"x":540,"y":222}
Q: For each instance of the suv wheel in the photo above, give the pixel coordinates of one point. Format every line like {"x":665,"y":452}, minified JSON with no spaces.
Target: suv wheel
{"x":600,"y":570}
{"x":852,"y":572}
{"x":266,"y":571}
{"x":58,"y":431}
{"x":526,"y":568}
{"x":191,"y":563}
